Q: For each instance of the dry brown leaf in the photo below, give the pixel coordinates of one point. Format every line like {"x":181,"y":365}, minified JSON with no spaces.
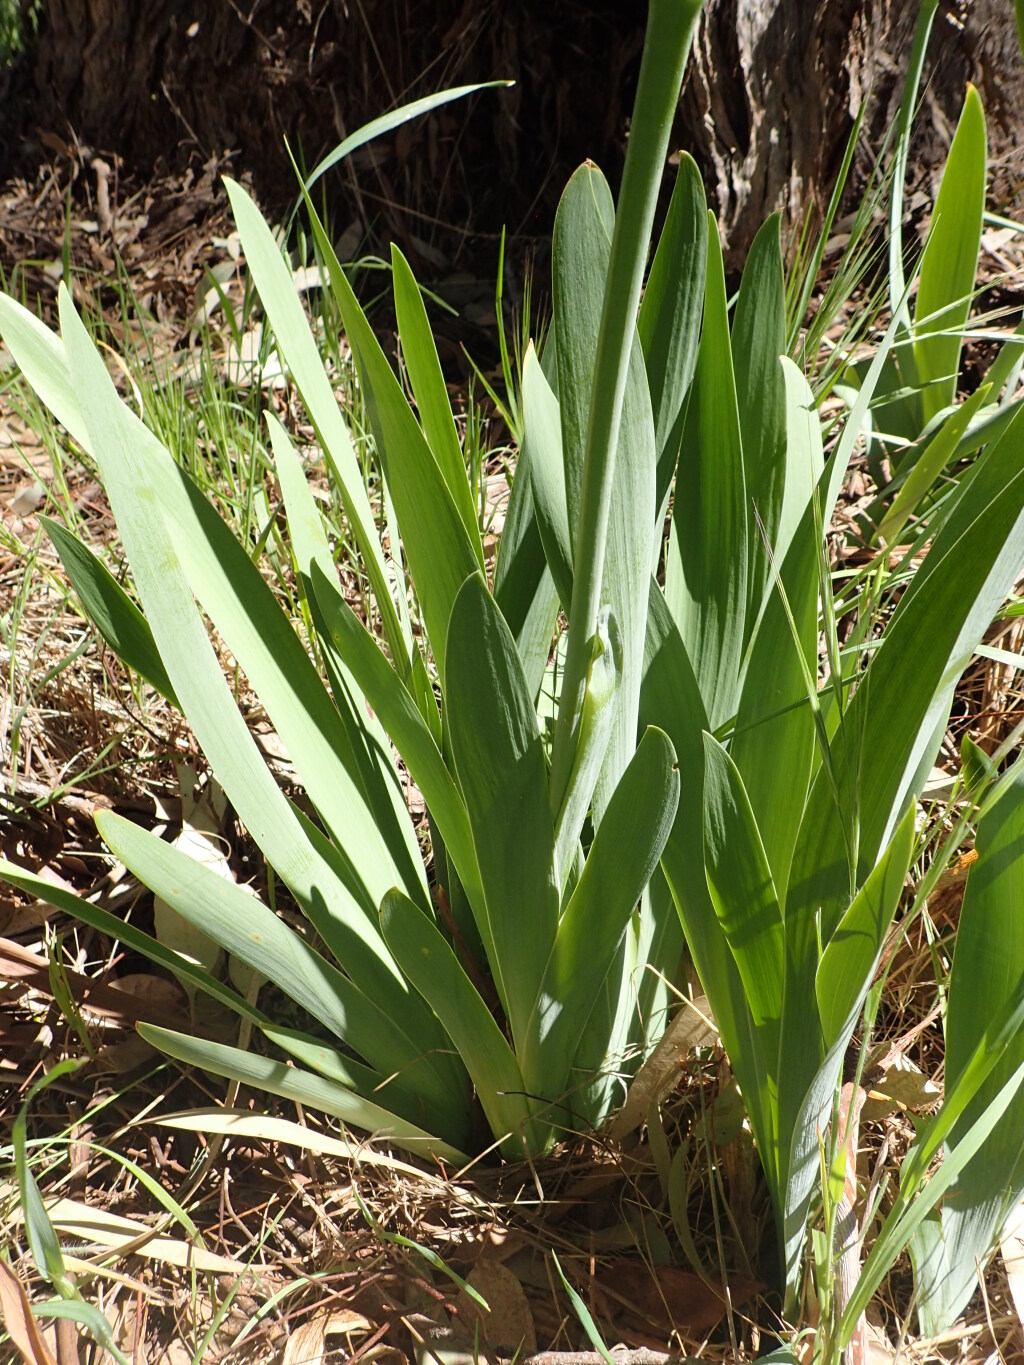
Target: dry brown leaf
{"x":509,"y":1323}
{"x":307,"y":1345}
{"x":670,"y":1298}
{"x":692,"y":1027}
{"x":16,"y":1315}
{"x":901,"y":1086}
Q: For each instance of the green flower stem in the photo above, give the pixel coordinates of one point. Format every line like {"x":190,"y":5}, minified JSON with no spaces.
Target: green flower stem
{"x":670,"y":29}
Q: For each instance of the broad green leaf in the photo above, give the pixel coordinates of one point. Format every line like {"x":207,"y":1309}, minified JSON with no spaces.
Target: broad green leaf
{"x":430,"y":964}
{"x":929,"y":465}
{"x":523,"y":586}
{"x":745,"y":901}
{"x":851,"y":954}
{"x":581,"y":249}
{"x":988,"y":971}
{"x":669,"y":320}
{"x":140,"y":507}
{"x":706,"y":583}
{"x":405,"y":726}
{"x":123,"y":627}
{"x":499,"y":760}
{"x":324,"y":1060}
{"x":253,"y":934}
{"x":774,"y":724}
{"x":671,"y":700}
{"x":336,"y":757}
{"x":603,"y":681}
{"x":431,"y":395}
{"x":542,"y":448}
{"x":950,"y":262}
{"x":621,"y":861}
{"x":283,"y":306}
{"x":439,"y":551}
{"x":387,"y":123}
{"x":303,"y":1087}
{"x":372,"y":759}
{"x":758,"y":340}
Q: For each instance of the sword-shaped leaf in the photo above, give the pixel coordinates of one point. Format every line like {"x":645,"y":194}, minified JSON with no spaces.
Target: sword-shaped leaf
{"x":430,"y":964}
{"x":499,"y":761}
{"x":708,"y":572}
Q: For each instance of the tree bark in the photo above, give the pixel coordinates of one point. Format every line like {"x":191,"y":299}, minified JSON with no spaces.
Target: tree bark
{"x":776,"y":85}
{"x":767,"y":106}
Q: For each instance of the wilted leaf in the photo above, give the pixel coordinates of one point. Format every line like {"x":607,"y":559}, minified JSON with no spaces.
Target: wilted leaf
{"x":17,"y":1318}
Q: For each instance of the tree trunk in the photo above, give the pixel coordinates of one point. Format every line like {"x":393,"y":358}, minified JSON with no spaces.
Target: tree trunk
{"x":767,"y":107}
{"x":776,"y":85}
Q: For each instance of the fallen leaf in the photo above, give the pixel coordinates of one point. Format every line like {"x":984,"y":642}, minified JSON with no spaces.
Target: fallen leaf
{"x":670,"y":1298}
{"x":307,"y":1345}
{"x":16,"y":1315}
{"x":692,"y":1027}
{"x":509,"y":1323}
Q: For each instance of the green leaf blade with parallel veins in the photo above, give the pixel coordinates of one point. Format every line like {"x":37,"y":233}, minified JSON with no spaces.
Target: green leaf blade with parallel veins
{"x":758,"y":341}
{"x":950,"y":262}
{"x":706,"y":584}
{"x":431,"y":395}
{"x":499,"y":760}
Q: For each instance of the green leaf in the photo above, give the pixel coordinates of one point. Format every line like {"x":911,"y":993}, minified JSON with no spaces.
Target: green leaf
{"x":758,"y":340}
{"x":621,"y":861}
{"x":852,"y":953}
{"x":42,"y":1238}
{"x":499,"y":760}
{"x":433,"y":969}
{"x":323,"y":887}
{"x":939,"y":451}
{"x":745,"y":901}
{"x":392,"y":702}
{"x":438,"y":549}
{"x":583,"y":1313}
{"x":921,"y":1187}
{"x":706,"y":581}
{"x":774,"y":723}
{"x":253,"y":934}
{"x":988,"y":971}
{"x":371,"y":760}
{"x":387,"y":123}
{"x":523,"y":586}
{"x":303,"y":1087}
{"x":283,"y":306}
{"x":895,"y":720}
{"x":431,"y":395}
{"x":670,"y":312}
{"x":110,"y":609}
{"x":603,"y":681}
{"x":950,"y":262}
{"x":671,"y":700}
{"x":581,"y":250}
{"x":114,"y":927}
{"x":542,"y":449}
